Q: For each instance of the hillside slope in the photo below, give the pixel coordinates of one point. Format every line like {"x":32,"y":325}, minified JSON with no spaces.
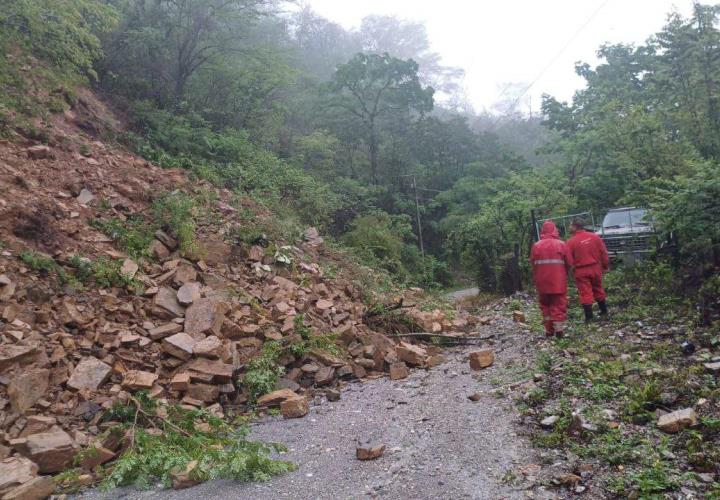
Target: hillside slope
{"x":118,"y":276}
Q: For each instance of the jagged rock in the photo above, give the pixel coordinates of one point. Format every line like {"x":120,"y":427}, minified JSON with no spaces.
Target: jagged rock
{"x":370,"y":451}
{"x":398,"y":371}
{"x":15,"y":471}
{"x":310,"y":368}
{"x":166,"y":240}
{"x":166,"y":298}
{"x":180,"y":382}
{"x":549,"y":422}
{"x":7,"y":288}
{"x":165,"y":330}
{"x":216,"y":252}
{"x":205,"y":316}
{"x":312,"y":236}
{"x":411,"y":354}
{"x":52,"y":451}
{"x":677,"y":420}
{"x":325,"y":357}
{"x":129,"y":268}
{"x":11,"y":354}
{"x":96,"y":455}
{"x":482,"y":359}
{"x":324,"y":304}
{"x":188,"y":293}
{"x":211,"y":347}
{"x":276,"y":397}
{"x":159,"y":251}
{"x":85,"y":197}
{"x":294,"y":407}
{"x":220,"y":372}
{"x":185,"y":274}
{"x":435,"y":360}
{"x":37,"y":488}
{"x":27,"y":388}
{"x":39,"y":152}
{"x":136,"y":380}
{"x":89,"y":374}
{"x":332,"y":395}
{"x":203,"y":392}
{"x":37,"y":424}
{"x":184,"y":478}
{"x":179,"y":345}
{"x":325,"y":376}
{"x":286,"y":383}
{"x":256,"y":253}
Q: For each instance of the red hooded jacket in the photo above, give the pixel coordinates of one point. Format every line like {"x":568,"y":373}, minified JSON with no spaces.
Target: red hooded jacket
{"x":588,"y":249}
{"x":551,"y":260}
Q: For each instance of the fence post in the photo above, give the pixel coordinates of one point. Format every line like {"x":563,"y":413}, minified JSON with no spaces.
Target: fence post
{"x":534,"y":225}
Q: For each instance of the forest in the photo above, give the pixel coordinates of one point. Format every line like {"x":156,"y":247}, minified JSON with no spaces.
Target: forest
{"x":365,"y":134}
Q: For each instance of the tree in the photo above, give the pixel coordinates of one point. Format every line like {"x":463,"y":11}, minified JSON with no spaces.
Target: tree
{"x":163,"y":43}
{"x":409,"y":40}
{"x":371,"y":87}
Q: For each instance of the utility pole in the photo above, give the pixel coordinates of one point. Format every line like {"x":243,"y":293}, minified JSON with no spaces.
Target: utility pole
{"x":417,"y":213}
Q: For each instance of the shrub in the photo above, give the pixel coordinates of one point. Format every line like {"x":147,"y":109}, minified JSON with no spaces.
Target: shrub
{"x":263,"y":372}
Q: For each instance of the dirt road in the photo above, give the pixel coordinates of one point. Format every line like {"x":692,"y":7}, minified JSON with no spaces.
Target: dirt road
{"x":439,"y":443}
{"x":462,"y":294}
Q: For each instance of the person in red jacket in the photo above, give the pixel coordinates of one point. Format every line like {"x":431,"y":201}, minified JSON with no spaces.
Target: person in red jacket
{"x":591,"y":260}
{"x":551,"y":261}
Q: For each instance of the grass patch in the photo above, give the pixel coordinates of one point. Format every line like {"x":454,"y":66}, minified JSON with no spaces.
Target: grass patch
{"x":133,"y":236}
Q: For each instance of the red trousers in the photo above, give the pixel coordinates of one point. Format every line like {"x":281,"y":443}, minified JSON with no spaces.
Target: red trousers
{"x":588,"y":280}
{"x":554,"y":310}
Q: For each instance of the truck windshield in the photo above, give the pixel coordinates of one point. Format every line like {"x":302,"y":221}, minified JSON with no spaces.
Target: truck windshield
{"x":626,"y":218}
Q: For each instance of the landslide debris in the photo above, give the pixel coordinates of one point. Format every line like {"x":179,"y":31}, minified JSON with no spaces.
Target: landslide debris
{"x":121,"y":281}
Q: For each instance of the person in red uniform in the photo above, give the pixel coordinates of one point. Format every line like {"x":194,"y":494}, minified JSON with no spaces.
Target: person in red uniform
{"x":551,"y":260}
{"x":590,"y":258}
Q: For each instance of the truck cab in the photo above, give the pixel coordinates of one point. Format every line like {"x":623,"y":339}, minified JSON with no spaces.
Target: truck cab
{"x":628,"y":232}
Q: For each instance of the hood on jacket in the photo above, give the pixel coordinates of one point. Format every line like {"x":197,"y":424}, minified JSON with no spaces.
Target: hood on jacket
{"x":549,"y":230}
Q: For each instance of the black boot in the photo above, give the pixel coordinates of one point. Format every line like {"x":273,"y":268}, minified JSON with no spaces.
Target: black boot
{"x":588,"y":312}
{"x":603,"y":308}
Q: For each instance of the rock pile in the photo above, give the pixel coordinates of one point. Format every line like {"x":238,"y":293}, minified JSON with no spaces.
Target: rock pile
{"x":67,"y":356}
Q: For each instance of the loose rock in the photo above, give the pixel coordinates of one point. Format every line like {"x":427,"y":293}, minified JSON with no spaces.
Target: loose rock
{"x":482,"y":359}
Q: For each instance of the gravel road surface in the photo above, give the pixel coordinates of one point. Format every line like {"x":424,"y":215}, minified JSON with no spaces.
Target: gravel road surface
{"x":439,"y":444}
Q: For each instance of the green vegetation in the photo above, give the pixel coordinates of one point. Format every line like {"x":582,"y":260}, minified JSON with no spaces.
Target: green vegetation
{"x":262,"y":372}
{"x":133,"y":235}
{"x":103,"y":272}
{"x":218,"y":449}
{"x":175,"y":211}
{"x":618,"y":375}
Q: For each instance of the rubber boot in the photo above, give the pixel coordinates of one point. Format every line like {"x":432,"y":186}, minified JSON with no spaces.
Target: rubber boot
{"x":588,"y":313}
{"x":549,"y":332}
{"x":603,"y":308}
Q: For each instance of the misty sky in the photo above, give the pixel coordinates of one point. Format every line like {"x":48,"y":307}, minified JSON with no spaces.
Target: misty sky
{"x":500,"y":41}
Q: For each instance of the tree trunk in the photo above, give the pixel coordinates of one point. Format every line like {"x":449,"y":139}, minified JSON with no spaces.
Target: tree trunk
{"x":373,"y":153}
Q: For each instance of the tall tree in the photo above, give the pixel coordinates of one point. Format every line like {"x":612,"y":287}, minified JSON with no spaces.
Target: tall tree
{"x":371,"y":87}
{"x":165,"y":42}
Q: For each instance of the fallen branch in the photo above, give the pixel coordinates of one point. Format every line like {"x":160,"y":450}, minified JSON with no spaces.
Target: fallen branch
{"x":444,"y":336}
{"x":163,"y":420}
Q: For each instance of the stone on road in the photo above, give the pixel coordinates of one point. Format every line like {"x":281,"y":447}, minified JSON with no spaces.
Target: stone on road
{"x":438,"y":444}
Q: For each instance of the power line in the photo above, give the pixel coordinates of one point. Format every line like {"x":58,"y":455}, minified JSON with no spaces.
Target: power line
{"x":553,"y":60}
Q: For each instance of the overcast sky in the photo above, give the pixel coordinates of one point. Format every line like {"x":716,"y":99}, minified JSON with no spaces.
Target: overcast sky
{"x":500,"y":41}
